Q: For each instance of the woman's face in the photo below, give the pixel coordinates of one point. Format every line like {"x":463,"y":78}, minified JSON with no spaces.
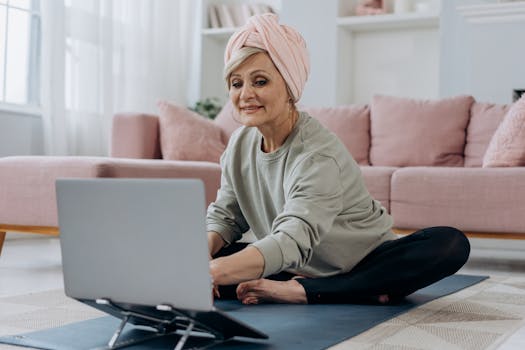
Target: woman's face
{"x":259,"y":93}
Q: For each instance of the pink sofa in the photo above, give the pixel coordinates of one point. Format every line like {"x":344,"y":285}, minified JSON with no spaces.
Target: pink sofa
{"x":421,"y":159}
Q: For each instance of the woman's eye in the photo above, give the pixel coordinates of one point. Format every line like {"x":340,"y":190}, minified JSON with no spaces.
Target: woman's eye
{"x":236,"y":84}
{"x":260,"y":82}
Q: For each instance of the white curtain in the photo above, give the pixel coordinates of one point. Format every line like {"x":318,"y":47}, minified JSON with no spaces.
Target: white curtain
{"x":100,"y":57}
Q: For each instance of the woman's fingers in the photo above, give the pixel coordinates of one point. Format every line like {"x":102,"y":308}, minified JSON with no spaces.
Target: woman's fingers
{"x":215,"y":289}
{"x":244,"y":288}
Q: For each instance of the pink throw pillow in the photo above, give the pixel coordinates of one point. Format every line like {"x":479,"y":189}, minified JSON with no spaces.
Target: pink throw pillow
{"x":507,"y":146}
{"x":185,"y":135}
{"x":351,"y":124}
{"x":410,"y":132}
{"x":483,"y":122}
{"x":226,"y":119}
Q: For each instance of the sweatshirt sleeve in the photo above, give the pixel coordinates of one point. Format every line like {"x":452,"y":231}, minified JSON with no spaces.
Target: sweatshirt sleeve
{"x":224,"y":215}
{"x":314,"y":197}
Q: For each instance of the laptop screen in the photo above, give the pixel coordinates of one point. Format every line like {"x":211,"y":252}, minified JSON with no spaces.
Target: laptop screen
{"x":137,"y":241}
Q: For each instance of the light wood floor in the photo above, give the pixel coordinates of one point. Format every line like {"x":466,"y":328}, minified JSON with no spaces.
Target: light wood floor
{"x":31,"y":263}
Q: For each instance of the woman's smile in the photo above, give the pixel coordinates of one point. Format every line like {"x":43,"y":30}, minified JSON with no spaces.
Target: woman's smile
{"x":251,"y":109}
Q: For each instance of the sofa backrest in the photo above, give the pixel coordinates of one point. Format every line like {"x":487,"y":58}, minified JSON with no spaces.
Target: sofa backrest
{"x":136,"y":135}
{"x":483,"y":122}
{"x":351,"y":124}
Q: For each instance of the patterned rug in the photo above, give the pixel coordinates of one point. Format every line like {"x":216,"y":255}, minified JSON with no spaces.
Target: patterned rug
{"x":479,"y":317}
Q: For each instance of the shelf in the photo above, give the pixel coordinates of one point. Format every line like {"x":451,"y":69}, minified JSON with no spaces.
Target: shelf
{"x":389,"y":21}
{"x":219,"y":33}
{"x":494,"y":13}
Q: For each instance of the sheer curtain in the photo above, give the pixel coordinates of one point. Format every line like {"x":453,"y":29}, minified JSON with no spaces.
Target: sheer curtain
{"x":100,"y":57}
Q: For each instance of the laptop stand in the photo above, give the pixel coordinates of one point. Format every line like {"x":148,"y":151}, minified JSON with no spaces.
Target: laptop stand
{"x":180,"y":323}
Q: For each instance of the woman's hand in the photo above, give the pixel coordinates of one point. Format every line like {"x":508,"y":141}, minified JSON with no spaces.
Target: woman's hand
{"x":215,"y":287}
{"x":246,"y":265}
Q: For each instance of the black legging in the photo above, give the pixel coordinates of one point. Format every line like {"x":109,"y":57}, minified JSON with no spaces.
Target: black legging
{"x":396,"y":268}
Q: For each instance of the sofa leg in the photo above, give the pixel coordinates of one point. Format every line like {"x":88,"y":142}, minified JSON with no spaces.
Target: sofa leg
{"x":2,"y":238}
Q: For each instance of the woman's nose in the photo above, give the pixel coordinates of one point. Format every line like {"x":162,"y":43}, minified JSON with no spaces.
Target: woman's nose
{"x":247,"y":91}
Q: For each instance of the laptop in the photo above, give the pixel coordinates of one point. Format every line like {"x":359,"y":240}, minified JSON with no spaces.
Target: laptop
{"x":137,"y":249}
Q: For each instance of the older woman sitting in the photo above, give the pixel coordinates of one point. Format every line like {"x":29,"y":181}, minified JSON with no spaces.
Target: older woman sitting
{"x":321,"y":237}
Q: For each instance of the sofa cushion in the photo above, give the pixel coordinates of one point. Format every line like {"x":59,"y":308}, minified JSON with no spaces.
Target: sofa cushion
{"x":471,"y":199}
{"x":226,"y":119}
{"x":507,"y":146}
{"x":185,"y":135}
{"x":377,"y":180}
{"x":409,"y":132}
{"x":135,"y":135}
{"x":351,"y":124}
{"x":484,"y":120}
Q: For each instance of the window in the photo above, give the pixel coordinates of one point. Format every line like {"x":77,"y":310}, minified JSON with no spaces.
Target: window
{"x":19,"y":52}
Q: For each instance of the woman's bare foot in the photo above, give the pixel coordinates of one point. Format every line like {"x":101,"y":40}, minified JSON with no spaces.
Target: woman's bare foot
{"x":265,"y":290}
{"x":383,"y":299}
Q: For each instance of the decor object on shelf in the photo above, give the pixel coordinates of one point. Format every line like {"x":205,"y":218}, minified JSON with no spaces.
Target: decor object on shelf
{"x":208,"y":107}
{"x":402,"y":6}
{"x":370,"y":7}
{"x":234,"y":15}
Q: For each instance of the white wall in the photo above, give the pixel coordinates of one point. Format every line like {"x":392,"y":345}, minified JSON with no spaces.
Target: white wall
{"x":352,"y":62}
{"x":401,"y":62}
{"x":20,"y":134}
{"x":315,"y":21}
{"x":482,"y":54}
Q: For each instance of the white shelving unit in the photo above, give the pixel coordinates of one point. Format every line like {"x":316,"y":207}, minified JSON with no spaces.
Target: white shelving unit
{"x":392,"y":53}
{"x":352,"y":57}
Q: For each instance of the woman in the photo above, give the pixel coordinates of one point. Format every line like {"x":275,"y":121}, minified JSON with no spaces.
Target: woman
{"x":321,"y":237}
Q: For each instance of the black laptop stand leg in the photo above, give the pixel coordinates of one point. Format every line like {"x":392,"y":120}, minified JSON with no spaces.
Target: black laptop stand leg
{"x":184,"y":338}
{"x":116,"y":335}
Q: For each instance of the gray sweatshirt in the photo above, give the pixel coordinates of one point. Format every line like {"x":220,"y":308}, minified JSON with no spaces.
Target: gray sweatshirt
{"x":305,"y":202}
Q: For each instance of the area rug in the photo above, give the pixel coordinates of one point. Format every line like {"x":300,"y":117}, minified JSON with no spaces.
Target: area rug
{"x":289,"y":326}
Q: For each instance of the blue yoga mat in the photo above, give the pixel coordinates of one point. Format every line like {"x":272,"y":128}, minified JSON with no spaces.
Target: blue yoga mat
{"x":290,"y":327}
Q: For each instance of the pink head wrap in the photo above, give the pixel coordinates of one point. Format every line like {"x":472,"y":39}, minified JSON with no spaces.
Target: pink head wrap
{"x":285,"y":45}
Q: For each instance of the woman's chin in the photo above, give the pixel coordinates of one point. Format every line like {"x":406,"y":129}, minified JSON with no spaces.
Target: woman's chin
{"x":249,"y":120}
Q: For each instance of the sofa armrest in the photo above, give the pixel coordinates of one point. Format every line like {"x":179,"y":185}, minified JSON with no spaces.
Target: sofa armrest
{"x":135,"y":135}
{"x":27,"y":191}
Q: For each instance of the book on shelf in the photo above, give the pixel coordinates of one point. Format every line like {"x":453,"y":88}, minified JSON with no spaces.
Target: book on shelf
{"x":237,"y":14}
{"x":234,"y":15}
{"x":246,"y":12}
{"x":213,"y":17}
{"x":225,"y":16}
{"x":259,"y":9}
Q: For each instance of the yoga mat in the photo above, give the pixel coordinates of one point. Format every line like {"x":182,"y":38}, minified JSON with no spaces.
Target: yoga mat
{"x":290,"y":327}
